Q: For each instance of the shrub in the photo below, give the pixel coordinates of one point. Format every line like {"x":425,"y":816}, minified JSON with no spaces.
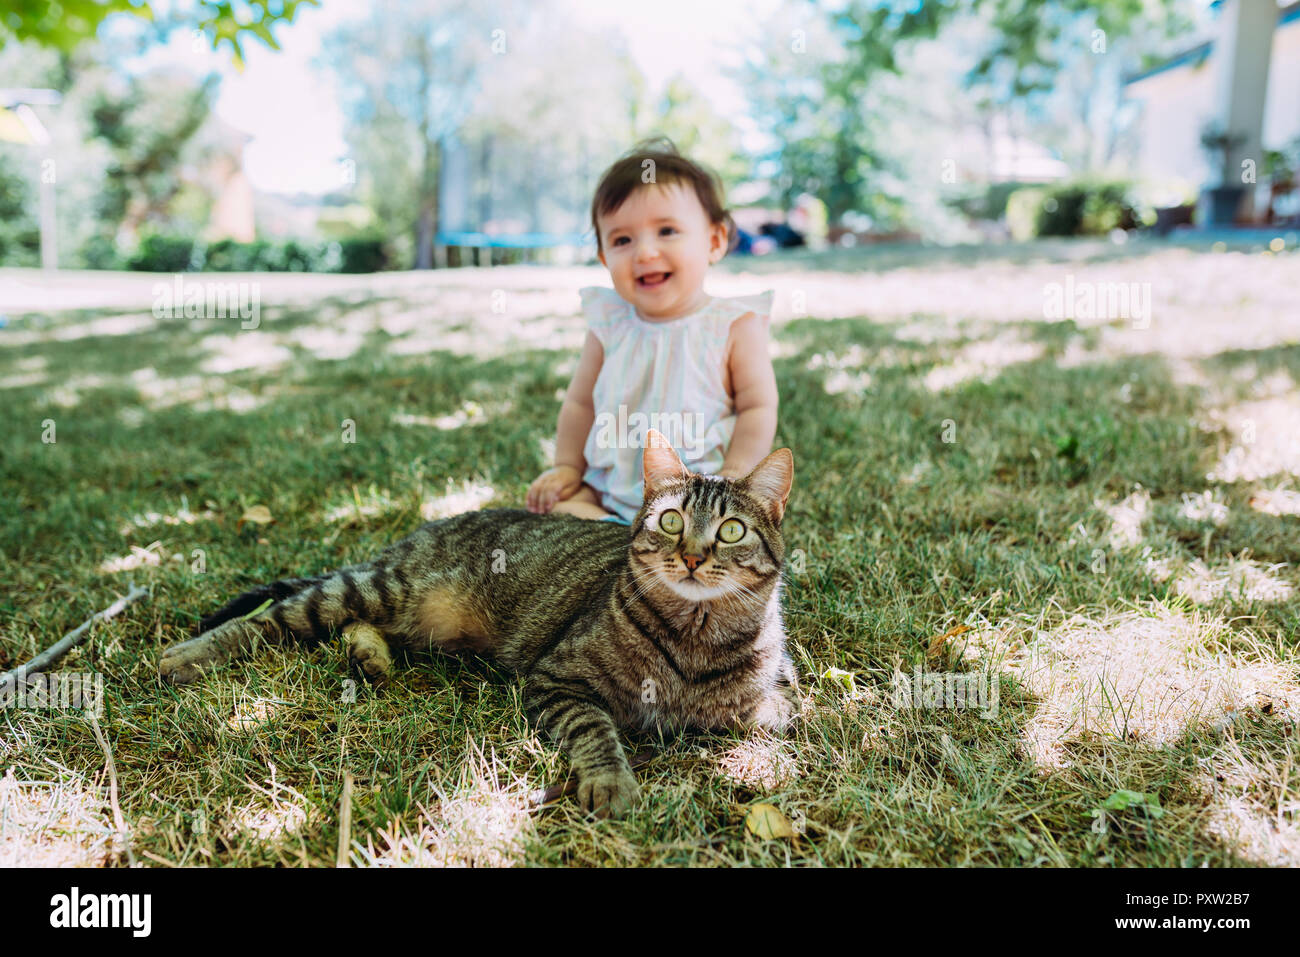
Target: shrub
{"x":226,"y":255}
{"x":298,"y":257}
{"x":1075,"y":208}
{"x":20,"y":236}
{"x":984,"y":202}
{"x":362,"y":254}
{"x":100,"y":252}
{"x":177,"y":254}
{"x":1022,"y":213}
{"x":162,"y":254}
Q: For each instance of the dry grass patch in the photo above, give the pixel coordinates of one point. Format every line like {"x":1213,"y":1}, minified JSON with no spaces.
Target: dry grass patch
{"x":1148,"y":677}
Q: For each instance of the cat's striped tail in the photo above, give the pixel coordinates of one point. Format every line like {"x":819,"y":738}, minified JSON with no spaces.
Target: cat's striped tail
{"x":254,"y":598}
{"x":310,"y":609}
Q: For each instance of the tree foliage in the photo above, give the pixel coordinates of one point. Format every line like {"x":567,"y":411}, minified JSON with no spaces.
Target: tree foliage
{"x":146,"y":127}
{"x":66,"y":24}
{"x":825,"y":99}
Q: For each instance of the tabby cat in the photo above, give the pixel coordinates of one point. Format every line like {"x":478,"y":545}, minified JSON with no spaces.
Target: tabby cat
{"x":675,"y":624}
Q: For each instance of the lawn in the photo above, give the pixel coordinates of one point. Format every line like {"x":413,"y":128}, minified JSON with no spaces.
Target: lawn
{"x":1109,"y":508}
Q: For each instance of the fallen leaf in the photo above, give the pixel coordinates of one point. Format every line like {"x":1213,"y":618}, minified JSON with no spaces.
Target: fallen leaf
{"x":258,"y":514}
{"x":261,"y":608}
{"x":937,"y":642}
{"x":767,"y":822}
{"x":1122,"y":800}
{"x":840,"y":677}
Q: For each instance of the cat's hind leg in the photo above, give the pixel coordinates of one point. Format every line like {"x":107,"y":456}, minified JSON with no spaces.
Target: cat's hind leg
{"x":368,"y":652}
{"x":361,"y":593}
{"x":190,"y":660}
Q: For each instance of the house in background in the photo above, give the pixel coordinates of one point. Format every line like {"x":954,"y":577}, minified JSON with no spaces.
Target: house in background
{"x":219,"y":171}
{"x":1244,"y":78}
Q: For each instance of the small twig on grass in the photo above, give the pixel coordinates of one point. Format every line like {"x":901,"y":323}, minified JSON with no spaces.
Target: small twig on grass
{"x":345,"y":821}
{"x":122,"y":832}
{"x":56,"y":651}
{"x":544,"y":796}
{"x":51,"y":656}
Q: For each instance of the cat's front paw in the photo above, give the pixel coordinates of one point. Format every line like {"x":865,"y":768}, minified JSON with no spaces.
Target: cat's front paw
{"x":608,"y":793}
{"x":778,"y":710}
{"x":187,"y":661}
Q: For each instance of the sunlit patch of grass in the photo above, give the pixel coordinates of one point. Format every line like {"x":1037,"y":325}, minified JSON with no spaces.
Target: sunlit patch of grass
{"x":469,"y":496}
{"x":1207,"y":506}
{"x":983,"y":360}
{"x":150,"y":519}
{"x":199,"y":393}
{"x":469,"y":413}
{"x":152,"y":554}
{"x":1127,"y":518}
{"x":478,"y":822}
{"x":842,"y":379}
{"x":1238,"y":579}
{"x":1148,"y":677}
{"x":1250,"y":807}
{"x":761,"y":763}
{"x":60,"y":823}
{"x":1260,"y":428}
{"x":252,"y":713}
{"x":239,"y":351}
{"x":1279,"y":501}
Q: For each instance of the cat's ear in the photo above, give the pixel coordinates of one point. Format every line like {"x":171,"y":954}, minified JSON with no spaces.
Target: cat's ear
{"x":660,"y":464}
{"x":770,"y":482}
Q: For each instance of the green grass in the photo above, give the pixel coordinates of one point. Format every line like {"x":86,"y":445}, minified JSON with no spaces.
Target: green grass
{"x":1162,"y":660}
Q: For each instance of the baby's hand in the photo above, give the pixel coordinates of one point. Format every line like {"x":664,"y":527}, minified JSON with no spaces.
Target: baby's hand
{"x":551,"y":486}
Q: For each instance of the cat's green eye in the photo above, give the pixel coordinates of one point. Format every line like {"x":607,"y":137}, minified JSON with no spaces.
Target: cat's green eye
{"x":671,"y":522}
{"x":732,"y":530}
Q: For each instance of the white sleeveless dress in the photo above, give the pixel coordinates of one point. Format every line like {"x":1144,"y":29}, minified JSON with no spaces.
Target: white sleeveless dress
{"x":662,"y":375}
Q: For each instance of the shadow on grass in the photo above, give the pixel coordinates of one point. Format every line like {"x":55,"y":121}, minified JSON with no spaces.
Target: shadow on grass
{"x":980,"y":496}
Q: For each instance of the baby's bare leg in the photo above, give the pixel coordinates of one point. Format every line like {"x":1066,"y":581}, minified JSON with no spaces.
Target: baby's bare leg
{"x":583,"y":503}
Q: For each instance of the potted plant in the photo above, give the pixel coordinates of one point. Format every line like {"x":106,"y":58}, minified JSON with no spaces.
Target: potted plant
{"x":1279,"y":167}
{"x":1167,"y":204}
{"x":1222,"y":200}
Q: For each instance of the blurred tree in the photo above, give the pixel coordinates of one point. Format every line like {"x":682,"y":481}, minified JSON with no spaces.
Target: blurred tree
{"x":698,"y":130}
{"x":552,"y":105}
{"x":817,"y":79}
{"x":20,"y":236}
{"x":520,"y":110}
{"x":408,"y":75}
{"x":66,"y":24}
{"x":146,"y":125}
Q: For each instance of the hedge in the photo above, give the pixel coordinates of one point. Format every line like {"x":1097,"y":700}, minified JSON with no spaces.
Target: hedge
{"x":1075,"y":208}
{"x":159,"y":253}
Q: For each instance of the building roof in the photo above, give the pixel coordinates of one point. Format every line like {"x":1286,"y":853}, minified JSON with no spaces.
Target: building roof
{"x":1196,"y":55}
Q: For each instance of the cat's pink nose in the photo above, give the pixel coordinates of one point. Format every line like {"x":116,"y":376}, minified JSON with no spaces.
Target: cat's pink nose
{"x":692,"y":561}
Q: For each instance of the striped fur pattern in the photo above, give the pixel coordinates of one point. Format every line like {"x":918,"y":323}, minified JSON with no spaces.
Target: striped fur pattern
{"x":674,"y":624}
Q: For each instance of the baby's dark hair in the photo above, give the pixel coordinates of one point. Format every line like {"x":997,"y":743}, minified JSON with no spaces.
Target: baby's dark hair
{"x":629,"y":173}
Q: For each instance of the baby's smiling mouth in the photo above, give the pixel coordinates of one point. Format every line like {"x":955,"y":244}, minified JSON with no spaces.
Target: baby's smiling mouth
{"x":652,"y":280}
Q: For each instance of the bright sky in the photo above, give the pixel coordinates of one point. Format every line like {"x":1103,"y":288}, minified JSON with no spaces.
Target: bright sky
{"x":291,"y":112}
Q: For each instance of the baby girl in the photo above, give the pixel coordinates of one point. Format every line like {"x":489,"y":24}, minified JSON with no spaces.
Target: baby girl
{"x":660,"y":352}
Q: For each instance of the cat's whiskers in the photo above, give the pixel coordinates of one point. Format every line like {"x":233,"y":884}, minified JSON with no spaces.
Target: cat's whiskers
{"x":733,"y":587}
{"x":644,"y":582}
